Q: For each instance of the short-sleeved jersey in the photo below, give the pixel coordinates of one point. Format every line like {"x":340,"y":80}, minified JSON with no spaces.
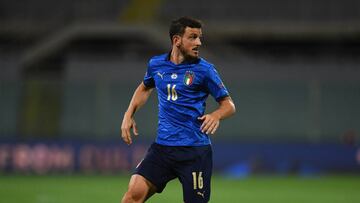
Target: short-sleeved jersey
{"x":182,"y":92}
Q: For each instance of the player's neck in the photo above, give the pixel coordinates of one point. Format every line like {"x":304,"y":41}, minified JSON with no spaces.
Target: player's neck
{"x":176,"y":56}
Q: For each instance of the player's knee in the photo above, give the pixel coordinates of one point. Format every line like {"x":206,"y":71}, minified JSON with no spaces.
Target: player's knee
{"x":134,"y":196}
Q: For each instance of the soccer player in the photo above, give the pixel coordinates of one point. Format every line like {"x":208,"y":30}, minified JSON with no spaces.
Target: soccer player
{"x":182,"y":148}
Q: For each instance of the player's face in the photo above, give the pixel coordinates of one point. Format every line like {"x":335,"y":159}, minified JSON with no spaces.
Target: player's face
{"x":190,"y":42}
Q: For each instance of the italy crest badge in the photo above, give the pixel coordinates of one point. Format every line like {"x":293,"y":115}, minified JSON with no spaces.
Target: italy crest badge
{"x":189,"y":78}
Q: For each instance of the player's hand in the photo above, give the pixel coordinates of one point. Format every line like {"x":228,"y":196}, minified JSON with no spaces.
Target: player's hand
{"x":128,"y":123}
{"x":210,"y":123}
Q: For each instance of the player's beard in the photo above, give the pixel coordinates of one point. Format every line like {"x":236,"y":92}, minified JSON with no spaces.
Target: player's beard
{"x":186,"y":54}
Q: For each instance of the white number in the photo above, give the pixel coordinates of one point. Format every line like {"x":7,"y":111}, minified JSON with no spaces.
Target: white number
{"x":173,"y":95}
{"x":197,"y":180}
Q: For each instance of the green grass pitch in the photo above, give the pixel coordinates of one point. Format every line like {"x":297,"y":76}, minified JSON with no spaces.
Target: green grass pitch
{"x":255,"y":189}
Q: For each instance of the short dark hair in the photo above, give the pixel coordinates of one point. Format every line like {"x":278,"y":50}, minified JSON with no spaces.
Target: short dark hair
{"x":178,"y":26}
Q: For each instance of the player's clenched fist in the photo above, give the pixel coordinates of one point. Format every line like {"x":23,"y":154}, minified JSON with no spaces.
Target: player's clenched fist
{"x":128,"y":123}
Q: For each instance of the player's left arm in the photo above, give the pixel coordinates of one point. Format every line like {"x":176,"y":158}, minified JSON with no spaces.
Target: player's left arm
{"x":211,"y":121}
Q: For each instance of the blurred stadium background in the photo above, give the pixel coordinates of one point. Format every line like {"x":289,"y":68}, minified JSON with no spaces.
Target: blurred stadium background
{"x":68,"y":70}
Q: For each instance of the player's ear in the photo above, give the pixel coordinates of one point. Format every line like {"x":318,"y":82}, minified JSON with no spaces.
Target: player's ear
{"x":176,"y":40}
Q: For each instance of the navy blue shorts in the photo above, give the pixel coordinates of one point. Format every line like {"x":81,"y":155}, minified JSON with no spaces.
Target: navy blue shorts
{"x":191,"y":165}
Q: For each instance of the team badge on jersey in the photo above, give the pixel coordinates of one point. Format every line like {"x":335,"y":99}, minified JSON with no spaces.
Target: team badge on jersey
{"x":189,"y":78}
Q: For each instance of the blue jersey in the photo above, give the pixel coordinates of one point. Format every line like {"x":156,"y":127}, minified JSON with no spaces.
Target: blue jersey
{"x":182,"y":91}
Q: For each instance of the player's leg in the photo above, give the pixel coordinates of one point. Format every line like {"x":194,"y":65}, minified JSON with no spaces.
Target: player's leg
{"x":195,"y":175}
{"x":139,"y":190}
{"x":151,"y":175}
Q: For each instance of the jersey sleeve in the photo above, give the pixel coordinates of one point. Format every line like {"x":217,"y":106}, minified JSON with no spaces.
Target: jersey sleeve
{"x":214,"y":85}
{"x":148,"y":78}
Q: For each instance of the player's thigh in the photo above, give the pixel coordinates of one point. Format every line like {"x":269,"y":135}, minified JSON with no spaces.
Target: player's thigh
{"x":156,"y":167}
{"x":196,"y":178}
{"x":140,"y":187}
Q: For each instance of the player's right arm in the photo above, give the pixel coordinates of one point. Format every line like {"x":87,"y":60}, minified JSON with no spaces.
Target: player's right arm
{"x":141,"y":95}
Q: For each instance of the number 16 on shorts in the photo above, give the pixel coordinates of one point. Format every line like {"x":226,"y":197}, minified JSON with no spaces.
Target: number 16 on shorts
{"x":197,"y":180}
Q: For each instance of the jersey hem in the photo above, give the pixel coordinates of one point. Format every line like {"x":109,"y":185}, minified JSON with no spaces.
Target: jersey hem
{"x":172,"y":144}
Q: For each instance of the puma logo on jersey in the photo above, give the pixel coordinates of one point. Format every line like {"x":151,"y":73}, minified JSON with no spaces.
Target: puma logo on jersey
{"x":161,"y":75}
{"x":201,"y":194}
